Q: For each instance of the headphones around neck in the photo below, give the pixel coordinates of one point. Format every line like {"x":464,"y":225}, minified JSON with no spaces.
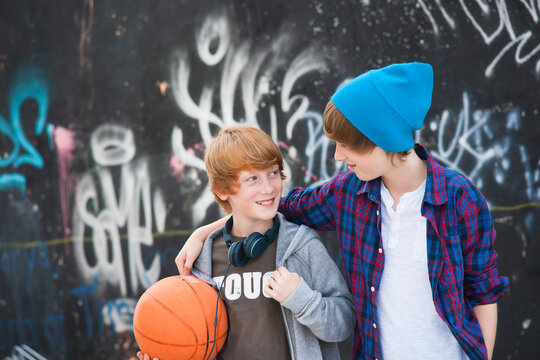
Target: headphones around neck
{"x":252,"y":247}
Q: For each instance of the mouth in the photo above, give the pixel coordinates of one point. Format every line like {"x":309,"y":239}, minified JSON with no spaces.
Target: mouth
{"x":351,"y":167}
{"x":266,"y":203}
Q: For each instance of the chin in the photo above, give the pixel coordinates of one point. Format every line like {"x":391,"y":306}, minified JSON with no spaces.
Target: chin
{"x":364,"y":178}
{"x":268,"y":215}
{"x":359,"y":176}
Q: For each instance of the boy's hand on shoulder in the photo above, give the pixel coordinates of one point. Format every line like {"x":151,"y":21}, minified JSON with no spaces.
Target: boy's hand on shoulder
{"x":188,"y":254}
{"x":282,"y":284}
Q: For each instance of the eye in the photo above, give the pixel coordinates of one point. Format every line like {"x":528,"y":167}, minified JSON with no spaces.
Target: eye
{"x":251,"y":179}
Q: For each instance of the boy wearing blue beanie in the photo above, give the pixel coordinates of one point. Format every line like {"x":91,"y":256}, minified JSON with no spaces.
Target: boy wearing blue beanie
{"x":416,"y":238}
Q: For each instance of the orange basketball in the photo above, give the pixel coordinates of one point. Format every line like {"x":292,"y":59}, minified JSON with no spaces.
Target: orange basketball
{"x":174,"y":319}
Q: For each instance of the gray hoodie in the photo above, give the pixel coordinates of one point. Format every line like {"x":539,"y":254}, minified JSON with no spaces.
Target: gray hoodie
{"x":320,"y":312}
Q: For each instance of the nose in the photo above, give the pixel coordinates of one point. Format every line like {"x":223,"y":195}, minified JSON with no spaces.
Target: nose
{"x":338,"y":155}
{"x":266,"y":186}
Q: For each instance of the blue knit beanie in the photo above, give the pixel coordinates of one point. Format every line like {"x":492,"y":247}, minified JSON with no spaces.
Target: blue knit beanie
{"x":387,"y":104}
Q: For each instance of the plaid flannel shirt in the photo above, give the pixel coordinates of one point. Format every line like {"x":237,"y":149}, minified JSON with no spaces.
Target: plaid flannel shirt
{"x":460,"y":235}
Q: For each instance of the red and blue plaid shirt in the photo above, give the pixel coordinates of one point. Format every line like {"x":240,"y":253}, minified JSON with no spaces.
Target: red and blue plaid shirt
{"x":460,"y":235}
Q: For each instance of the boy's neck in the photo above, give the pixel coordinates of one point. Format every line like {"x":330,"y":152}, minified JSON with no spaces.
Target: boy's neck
{"x":244,"y":226}
{"x":405,"y":176}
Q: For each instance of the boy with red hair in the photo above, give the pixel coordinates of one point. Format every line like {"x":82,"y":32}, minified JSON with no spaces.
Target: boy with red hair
{"x":285,"y":296}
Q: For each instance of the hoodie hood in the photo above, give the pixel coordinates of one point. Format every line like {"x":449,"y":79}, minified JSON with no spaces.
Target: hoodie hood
{"x":291,"y":238}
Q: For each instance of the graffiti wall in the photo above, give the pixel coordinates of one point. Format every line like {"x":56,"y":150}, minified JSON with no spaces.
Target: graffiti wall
{"x":106,"y":108}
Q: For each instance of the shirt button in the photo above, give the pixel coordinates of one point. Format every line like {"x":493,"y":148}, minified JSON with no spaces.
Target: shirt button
{"x":372,"y":289}
{"x":374,"y":325}
{"x":380,"y":250}
{"x":378,"y":213}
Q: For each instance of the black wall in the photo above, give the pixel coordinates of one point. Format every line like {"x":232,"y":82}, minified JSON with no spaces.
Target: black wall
{"x":106,"y":106}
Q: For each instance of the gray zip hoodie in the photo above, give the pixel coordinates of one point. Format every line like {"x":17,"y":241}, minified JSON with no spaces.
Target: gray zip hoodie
{"x":320,"y":312}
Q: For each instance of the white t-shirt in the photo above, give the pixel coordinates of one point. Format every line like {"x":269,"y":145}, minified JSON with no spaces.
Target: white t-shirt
{"x":409,"y":325}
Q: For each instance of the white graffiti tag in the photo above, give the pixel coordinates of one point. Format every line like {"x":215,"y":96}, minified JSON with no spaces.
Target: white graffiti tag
{"x":248,"y":89}
{"x":105,"y":214}
{"x":467,"y":144}
{"x":495,"y":20}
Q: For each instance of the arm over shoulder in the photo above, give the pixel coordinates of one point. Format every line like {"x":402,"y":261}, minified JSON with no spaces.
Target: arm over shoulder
{"x":314,"y":207}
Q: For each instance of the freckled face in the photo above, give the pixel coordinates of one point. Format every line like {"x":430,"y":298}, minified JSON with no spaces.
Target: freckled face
{"x":366,"y":165}
{"x":257,"y":200}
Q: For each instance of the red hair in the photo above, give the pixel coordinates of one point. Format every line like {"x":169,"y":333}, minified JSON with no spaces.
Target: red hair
{"x":235,"y":149}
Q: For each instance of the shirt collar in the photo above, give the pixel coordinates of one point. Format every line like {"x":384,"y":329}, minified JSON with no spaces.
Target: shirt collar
{"x":435,"y":182}
{"x":373,"y":189}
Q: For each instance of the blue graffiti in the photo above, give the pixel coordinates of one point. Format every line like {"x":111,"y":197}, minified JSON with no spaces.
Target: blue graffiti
{"x":36,"y":260}
{"x":29,"y":85}
{"x":82,"y":292}
{"x":119,"y":314}
{"x":115,"y":308}
{"x":12,"y":328}
{"x":26,"y":330}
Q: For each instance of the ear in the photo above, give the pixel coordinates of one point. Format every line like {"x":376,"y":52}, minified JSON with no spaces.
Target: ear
{"x":222,"y":197}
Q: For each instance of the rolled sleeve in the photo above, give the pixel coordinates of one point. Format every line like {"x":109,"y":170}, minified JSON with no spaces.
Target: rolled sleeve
{"x":482,"y":282}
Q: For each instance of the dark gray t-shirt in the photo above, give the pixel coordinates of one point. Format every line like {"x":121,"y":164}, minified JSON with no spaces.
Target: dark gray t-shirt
{"x":256,"y":326}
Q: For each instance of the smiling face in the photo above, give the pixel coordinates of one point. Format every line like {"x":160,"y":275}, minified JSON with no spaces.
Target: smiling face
{"x":235,"y":150}
{"x":367,"y":165}
{"x":256,"y":200}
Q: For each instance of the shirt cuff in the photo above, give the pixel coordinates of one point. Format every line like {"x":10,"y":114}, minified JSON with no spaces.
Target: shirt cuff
{"x":300,"y":298}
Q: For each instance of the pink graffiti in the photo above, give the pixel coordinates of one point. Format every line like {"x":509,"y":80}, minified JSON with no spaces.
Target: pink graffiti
{"x":177,"y":168}
{"x":64,"y":143}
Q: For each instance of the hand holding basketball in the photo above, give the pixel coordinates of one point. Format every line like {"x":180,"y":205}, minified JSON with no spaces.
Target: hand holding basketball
{"x":142,"y":356}
{"x":282,"y":284}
